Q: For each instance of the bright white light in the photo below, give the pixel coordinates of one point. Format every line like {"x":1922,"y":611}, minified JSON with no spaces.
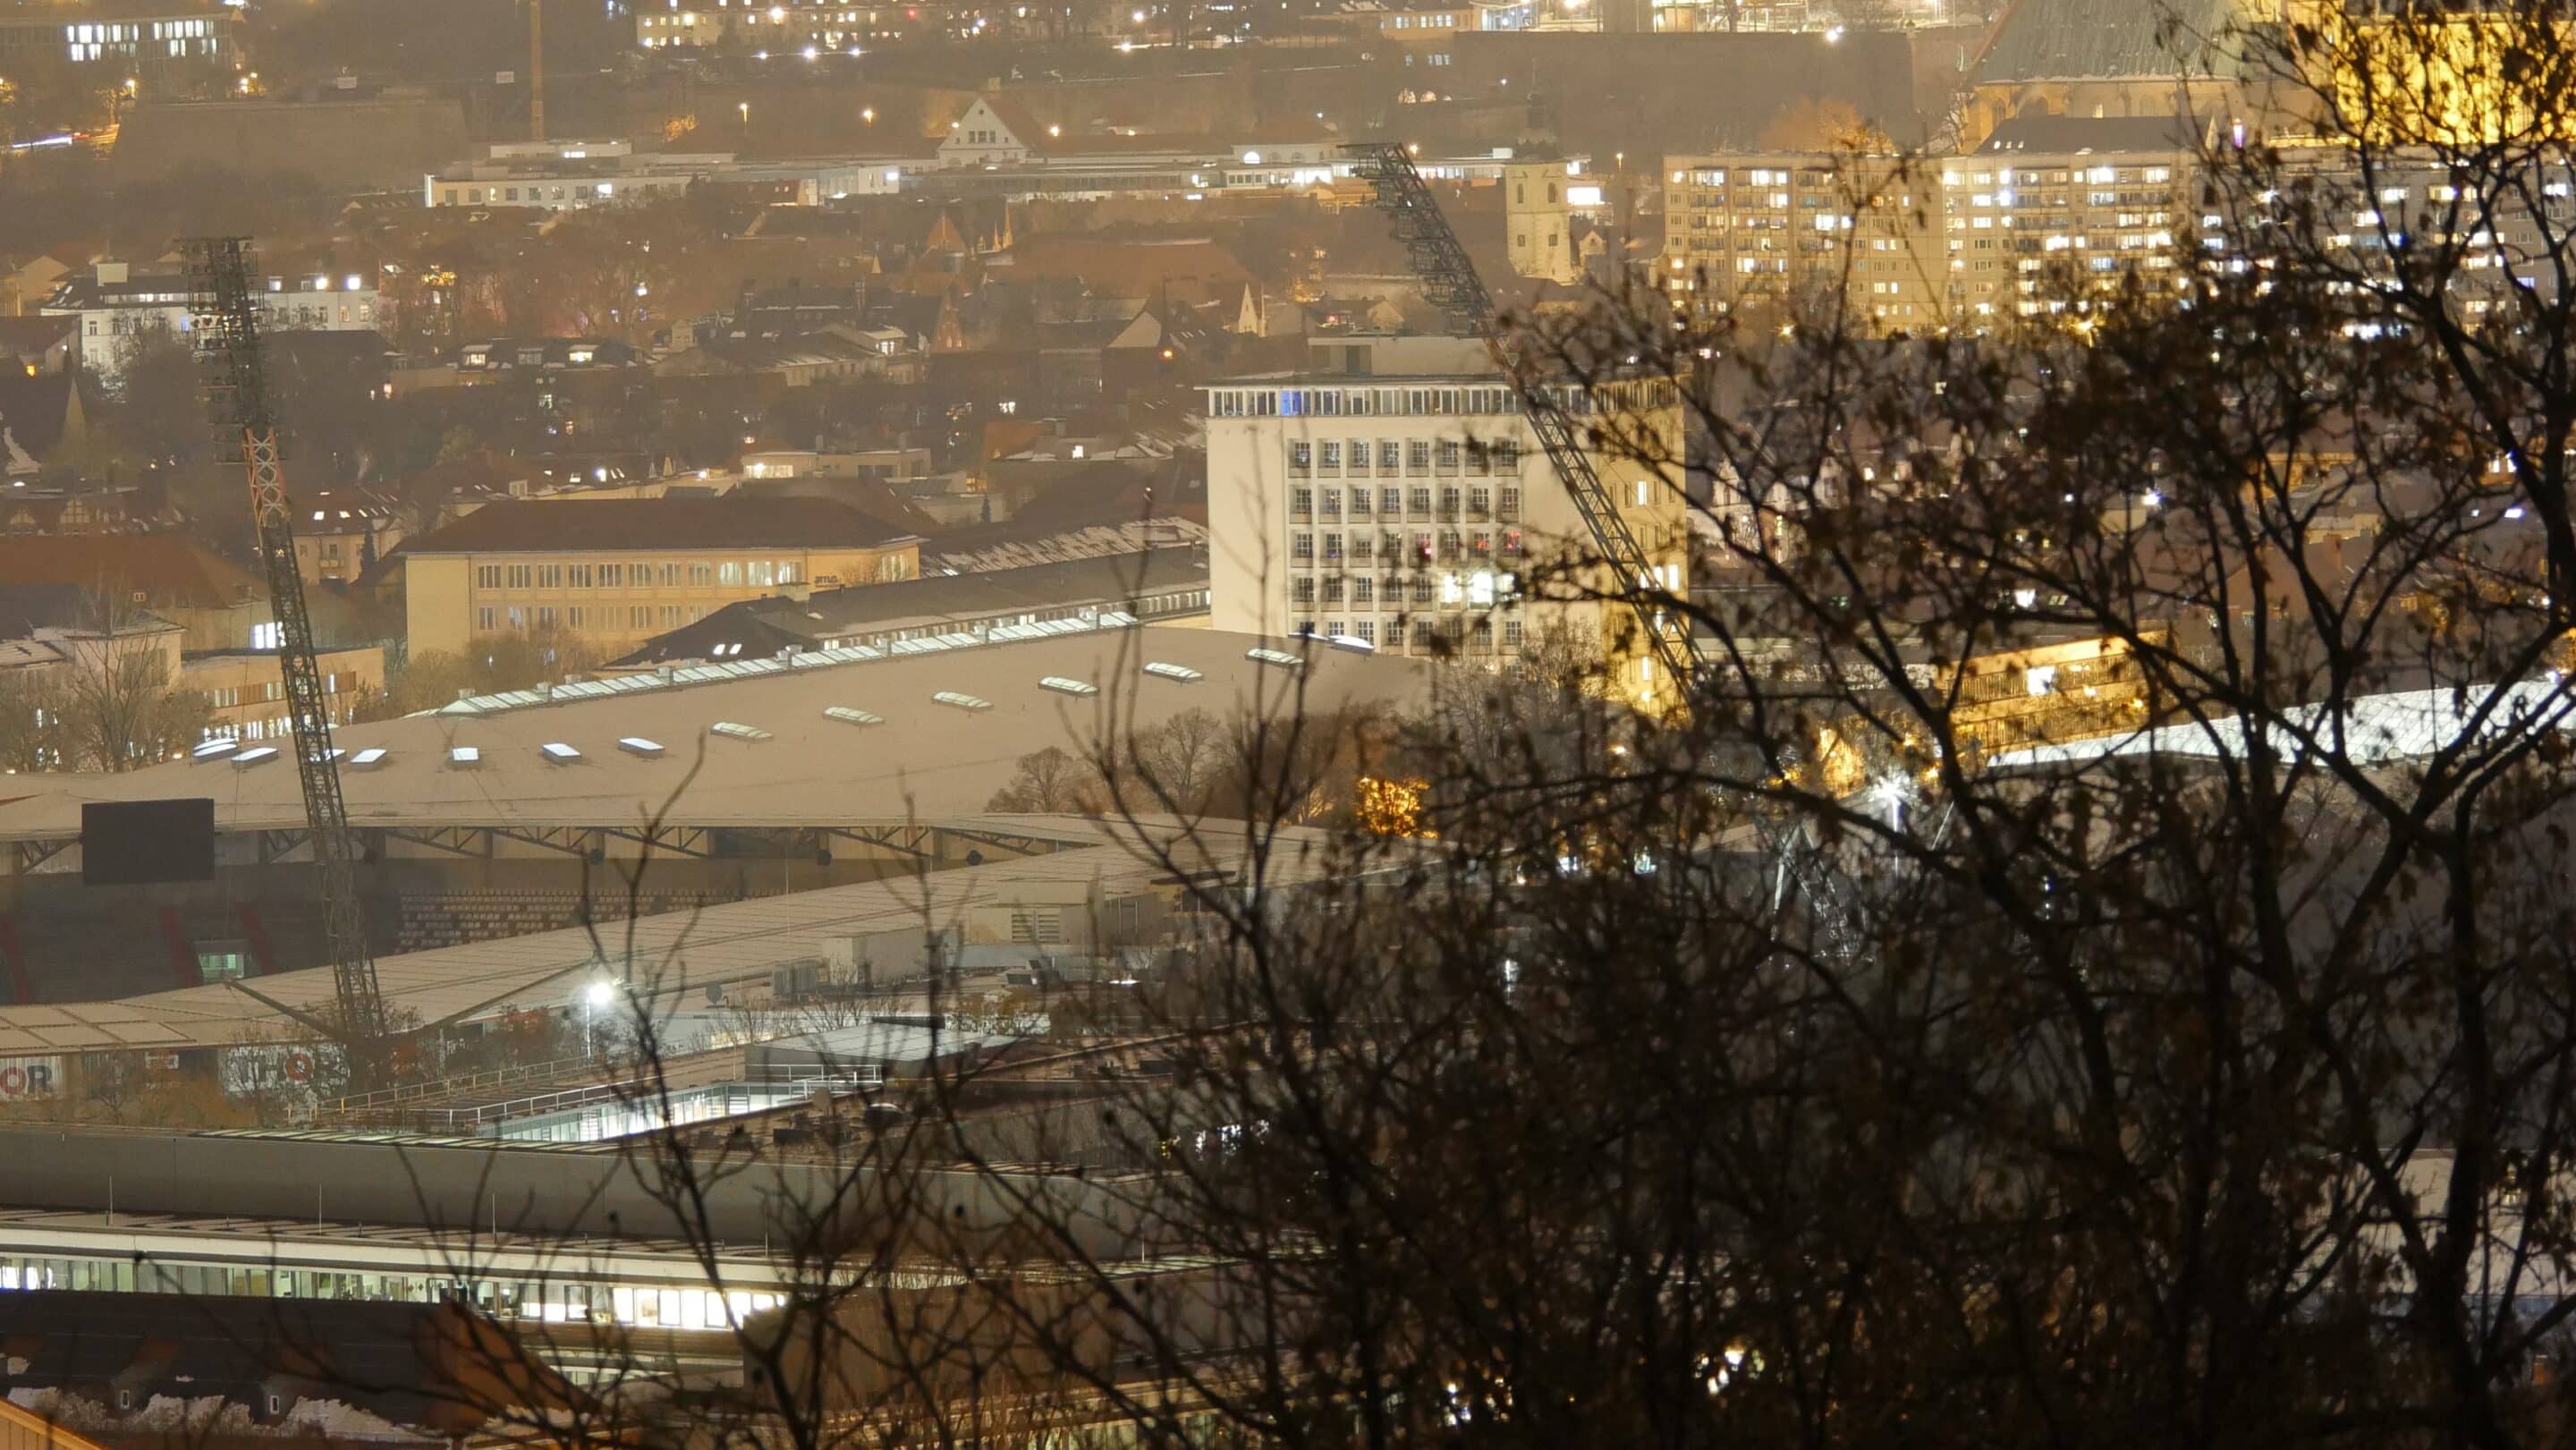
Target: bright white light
{"x":1890,"y":795}
{"x":600,"y":994}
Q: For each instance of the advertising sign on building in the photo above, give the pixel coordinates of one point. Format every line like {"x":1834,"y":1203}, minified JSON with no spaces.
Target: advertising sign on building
{"x":304,"y":1070}
{"x":30,"y":1079}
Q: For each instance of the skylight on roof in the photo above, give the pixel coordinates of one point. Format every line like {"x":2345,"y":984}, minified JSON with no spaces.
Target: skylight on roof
{"x":214,"y":749}
{"x":256,"y":755}
{"x":1162,"y":670}
{"x":1065,"y":685}
{"x":638,"y":745}
{"x":962,"y":701}
{"x":738,"y":730}
{"x":558,"y":752}
{"x":848,"y":716}
{"x":1280,"y":658}
{"x":369,"y":758}
{"x":464,"y":757}
{"x":1351,"y":644}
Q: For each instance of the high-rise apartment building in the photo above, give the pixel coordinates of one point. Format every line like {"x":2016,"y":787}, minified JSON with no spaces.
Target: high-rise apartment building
{"x":2050,"y":207}
{"x":1775,"y":229}
{"x":1392,"y":492}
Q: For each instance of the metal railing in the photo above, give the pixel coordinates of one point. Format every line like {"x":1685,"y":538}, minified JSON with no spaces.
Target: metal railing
{"x":498,"y":1077}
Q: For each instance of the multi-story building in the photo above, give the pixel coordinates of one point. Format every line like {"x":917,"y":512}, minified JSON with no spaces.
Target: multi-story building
{"x":135,"y":39}
{"x":2052,"y":206}
{"x":617,"y":572}
{"x":339,"y":532}
{"x":2046,"y":208}
{"x":1779,"y":229}
{"x":246,"y":691}
{"x":115,"y":304}
{"x":1393,"y":493}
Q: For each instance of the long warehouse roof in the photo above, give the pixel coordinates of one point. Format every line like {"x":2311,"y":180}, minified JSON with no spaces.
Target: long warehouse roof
{"x":932,"y":732}
{"x":657,"y":955}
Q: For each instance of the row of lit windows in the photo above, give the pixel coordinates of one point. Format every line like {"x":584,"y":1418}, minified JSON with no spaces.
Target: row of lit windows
{"x":1418,"y":455}
{"x":553,"y":1302}
{"x":1394,"y":551}
{"x":1391,"y":502}
{"x":1477,"y":635}
{"x":632,"y":618}
{"x":724,"y":573}
{"x":1472,"y":401}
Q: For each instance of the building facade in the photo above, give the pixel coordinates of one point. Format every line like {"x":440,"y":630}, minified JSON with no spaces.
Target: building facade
{"x":616,"y":572}
{"x":1773,"y":229}
{"x":116,"y":306}
{"x":1394,"y":494}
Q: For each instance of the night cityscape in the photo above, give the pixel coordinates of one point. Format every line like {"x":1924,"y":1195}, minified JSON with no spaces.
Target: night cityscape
{"x":1287,"y":724}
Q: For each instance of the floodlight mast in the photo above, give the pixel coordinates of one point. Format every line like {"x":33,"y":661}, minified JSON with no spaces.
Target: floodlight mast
{"x":1450,"y":282}
{"x":226,"y":322}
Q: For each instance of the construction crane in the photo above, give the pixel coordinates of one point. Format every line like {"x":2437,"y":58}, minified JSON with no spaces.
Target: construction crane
{"x":226,"y":320}
{"x":1450,"y":282}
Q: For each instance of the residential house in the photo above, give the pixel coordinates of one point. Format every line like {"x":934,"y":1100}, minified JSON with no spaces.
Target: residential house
{"x":340,"y":532}
{"x":216,"y":604}
{"x":36,"y":345}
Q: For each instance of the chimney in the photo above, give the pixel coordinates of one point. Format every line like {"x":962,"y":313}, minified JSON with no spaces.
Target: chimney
{"x":545,"y":689}
{"x":799,"y":592}
{"x":662,"y":673}
{"x":110,"y":273}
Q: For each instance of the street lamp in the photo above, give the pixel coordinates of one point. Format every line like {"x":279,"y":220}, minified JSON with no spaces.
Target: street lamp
{"x":601,"y":995}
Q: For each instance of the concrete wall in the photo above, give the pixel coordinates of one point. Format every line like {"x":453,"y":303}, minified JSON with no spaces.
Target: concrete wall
{"x":377,"y":143}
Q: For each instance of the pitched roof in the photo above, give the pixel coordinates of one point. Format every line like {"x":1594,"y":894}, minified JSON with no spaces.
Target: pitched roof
{"x":762,"y":626}
{"x":2102,"y":40}
{"x":2069,"y":135}
{"x":34,"y":412}
{"x":167,"y":569}
{"x":667,"y":524}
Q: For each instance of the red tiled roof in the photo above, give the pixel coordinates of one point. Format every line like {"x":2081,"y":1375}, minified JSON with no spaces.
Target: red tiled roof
{"x":168,"y":569}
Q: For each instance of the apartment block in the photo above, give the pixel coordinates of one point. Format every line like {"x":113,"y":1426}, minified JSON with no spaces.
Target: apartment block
{"x":617,"y":572}
{"x":1780,"y":229}
{"x":2091,"y":199}
{"x":1393,"y":494}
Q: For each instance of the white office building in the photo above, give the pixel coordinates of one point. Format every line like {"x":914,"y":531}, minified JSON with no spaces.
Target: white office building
{"x":1393,"y":494}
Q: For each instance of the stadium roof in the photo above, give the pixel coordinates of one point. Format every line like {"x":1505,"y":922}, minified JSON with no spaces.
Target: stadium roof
{"x":658,"y":957}
{"x":794,"y":766}
{"x":2376,"y":729}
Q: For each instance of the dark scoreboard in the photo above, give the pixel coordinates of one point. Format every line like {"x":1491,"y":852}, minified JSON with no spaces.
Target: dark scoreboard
{"x":136,"y":843}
